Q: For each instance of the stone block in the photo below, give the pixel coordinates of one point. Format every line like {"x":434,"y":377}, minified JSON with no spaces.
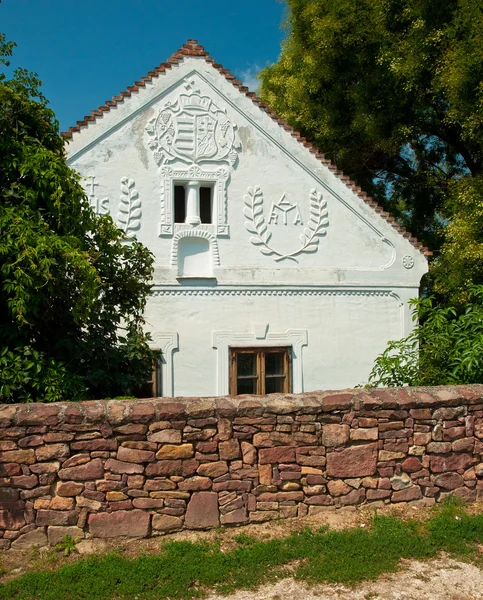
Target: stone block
{"x":166,"y":436}
{"x":171,"y":452}
{"x":335,"y":435}
{"x":121,"y":523}
{"x":164,"y":468}
{"x":364,"y":434}
{"x":357,"y":461}
{"x":407,"y":495}
{"x":449,"y":481}
{"x":36,"y":537}
{"x":69,"y":488}
{"x":453,"y":462}
{"x":134,"y":456}
{"x":166,"y":523}
{"x":229,"y":450}
{"x":56,"y":517}
{"x":91,"y":470}
{"x":24,"y":457}
{"x":195,"y":484}
{"x":202,"y":511}
{"x":213,"y":470}
{"x":279,"y":454}
{"x":235,"y":517}
{"x":122,"y":467}
{"x":52,"y":452}
{"x":56,"y":535}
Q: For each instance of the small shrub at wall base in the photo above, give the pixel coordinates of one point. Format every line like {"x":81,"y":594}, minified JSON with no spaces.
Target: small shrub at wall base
{"x":445,"y":348}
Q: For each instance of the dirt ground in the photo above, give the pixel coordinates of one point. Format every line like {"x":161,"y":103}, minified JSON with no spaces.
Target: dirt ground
{"x":440,"y":579}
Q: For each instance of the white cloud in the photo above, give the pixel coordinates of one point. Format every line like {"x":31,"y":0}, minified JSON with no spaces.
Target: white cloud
{"x":249,"y":77}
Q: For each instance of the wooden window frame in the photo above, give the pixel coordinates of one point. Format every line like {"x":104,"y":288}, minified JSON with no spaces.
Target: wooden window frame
{"x":260,"y":353}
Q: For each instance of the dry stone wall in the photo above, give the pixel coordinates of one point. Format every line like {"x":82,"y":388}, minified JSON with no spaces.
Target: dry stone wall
{"x":146,"y":467}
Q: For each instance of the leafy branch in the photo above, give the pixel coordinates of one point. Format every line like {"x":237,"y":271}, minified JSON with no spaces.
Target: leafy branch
{"x":129,"y":215}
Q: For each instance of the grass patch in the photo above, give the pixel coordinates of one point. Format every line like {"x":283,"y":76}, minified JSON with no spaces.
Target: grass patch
{"x":184,"y":570}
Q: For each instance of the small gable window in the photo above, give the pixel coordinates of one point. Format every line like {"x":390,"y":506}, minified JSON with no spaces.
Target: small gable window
{"x":193,"y":203}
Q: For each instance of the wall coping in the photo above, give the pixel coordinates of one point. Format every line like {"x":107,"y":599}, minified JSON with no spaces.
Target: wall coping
{"x":116,"y":412}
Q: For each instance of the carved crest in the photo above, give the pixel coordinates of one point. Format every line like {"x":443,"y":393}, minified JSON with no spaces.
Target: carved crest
{"x":194,"y":130}
{"x":261,"y":235}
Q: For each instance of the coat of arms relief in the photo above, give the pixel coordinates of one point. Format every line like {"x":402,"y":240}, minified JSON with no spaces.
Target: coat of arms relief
{"x":192,"y":138}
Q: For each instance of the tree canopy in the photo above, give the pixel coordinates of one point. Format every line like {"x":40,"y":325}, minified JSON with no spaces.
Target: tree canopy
{"x":392,"y":91}
{"x":72,"y":286}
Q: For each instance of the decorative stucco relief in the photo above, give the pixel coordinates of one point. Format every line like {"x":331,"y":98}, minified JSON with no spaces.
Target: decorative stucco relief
{"x":283,"y":210}
{"x":219,"y":177}
{"x":129,"y":215}
{"x":408,"y":261}
{"x":198,"y":232}
{"x":193,"y":129}
{"x":99,"y":205}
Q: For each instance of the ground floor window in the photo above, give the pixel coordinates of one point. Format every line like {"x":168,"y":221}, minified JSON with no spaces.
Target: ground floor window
{"x":260,"y":370}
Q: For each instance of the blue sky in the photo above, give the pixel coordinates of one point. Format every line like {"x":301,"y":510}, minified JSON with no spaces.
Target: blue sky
{"x":86,"y":51}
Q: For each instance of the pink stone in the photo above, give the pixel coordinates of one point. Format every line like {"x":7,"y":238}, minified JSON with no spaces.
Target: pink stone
{"x":195,"y":484}
{"x":95,"y":445}
{"x":229,"y":450}
{"x":453,"y":462}
{"x":56,"y":517}
{"x":120,"y":467}
{"x":214,"y":469}
{"x":411,"y":465}
{"x":202,"y":511}
{"x":132,"y":523}
{"x":234,"y":517}
{"x":134,"y":456}
{"x":249,"y":453}
{"x":90,"y":470}
{"x":335,"y":435}
{"x":354,"y":497}
{"x":279,"y":454}
{"x":69,"y":489}
{"x":408,"y":494}
{"x":357,"y":461}
{"x":449,"y":481}
{"x":164,"y":468}
{"x":52,"y":451}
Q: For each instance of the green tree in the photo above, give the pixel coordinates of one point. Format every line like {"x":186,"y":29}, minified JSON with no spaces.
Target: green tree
{"x":392,"y":91}
{"x":445,"y":348}
{"x":72,"y":286}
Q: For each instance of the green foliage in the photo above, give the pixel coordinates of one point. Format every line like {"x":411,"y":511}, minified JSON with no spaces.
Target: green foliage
{"x":72,"y":286}
{"x":460,"y":264}
{"x":66,"y":546}
{"x":185,"y":570}
{"x":392,"y":91}
{"x":450,"y":342}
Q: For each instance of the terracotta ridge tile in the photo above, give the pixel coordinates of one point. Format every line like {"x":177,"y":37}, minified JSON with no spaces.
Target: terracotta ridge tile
{"x":192,"y":48}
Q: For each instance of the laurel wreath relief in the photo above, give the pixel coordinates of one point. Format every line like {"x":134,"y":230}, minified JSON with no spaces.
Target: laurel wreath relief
{"x":256,"y":225}
{"x":129,"y":215}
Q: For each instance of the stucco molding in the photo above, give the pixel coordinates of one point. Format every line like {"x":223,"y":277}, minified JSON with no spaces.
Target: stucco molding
{"x":168,"y":343}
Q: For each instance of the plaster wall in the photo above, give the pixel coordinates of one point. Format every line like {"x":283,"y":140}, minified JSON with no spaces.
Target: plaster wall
{"x":290,"y":246}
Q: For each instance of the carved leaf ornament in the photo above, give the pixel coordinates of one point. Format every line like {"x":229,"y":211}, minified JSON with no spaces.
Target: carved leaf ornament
{"x":129,"y":215}
{"x":261,"y":236}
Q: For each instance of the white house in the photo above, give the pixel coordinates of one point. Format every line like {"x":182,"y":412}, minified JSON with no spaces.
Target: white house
{"x":274,"y":272}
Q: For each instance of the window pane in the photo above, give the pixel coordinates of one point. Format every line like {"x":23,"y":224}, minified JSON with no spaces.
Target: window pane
{"x":246,"y":364}
{"x":205,"y":204}
{"x":274,"y":363}
{"x":179,"y":204}
{"x":274,"y":384}
{"x":246,"y":386}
